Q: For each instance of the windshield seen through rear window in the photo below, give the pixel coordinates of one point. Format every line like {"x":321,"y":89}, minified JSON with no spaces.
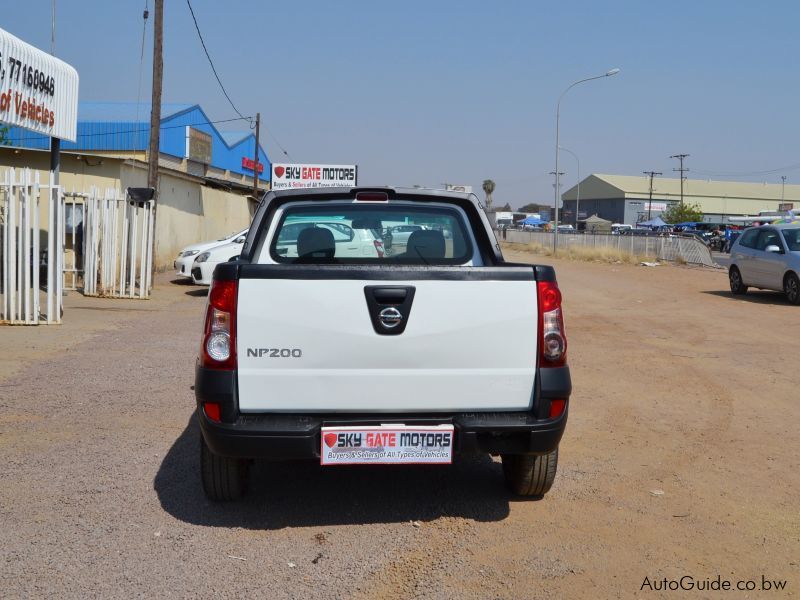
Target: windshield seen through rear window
{"x":369,"y":234}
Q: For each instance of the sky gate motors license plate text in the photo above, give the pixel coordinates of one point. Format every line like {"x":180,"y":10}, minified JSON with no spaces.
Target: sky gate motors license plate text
{"x":387,"y":444}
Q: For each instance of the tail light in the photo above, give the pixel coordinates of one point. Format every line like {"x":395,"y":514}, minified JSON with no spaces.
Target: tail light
{"x":218,"y":350}
{"x":379,"y":248}
{"x":553,"y":340}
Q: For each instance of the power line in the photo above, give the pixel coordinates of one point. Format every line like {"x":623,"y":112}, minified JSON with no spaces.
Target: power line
{"x":146,"y":129}
{"x":211,"y":62}
{"x":748,"y":173}
{"x":145,"y":15}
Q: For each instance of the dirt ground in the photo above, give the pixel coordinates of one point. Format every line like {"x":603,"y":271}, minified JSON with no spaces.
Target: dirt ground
{"x":680,"y":459}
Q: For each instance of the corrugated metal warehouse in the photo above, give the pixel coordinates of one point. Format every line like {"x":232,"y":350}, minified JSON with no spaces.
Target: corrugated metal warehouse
{"x":625,"y":199}
{"x":205,"y":176}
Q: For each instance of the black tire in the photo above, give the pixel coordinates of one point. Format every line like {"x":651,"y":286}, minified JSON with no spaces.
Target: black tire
{"x":737,"y":285}
{"x":224,"y":478}
{"x":791,"y":287}
{"x":529,"y":474}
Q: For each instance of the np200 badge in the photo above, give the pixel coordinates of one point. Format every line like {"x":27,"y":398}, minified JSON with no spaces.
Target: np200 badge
{"x":274,"y":352}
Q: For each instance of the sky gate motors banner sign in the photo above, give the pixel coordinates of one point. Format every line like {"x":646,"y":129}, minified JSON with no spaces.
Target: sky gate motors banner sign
{"x":37,"y":91}
{"x":287,"y":177}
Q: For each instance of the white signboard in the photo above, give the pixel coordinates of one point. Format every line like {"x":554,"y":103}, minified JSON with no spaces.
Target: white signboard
{"x":655,"y":206}
{"x":287,"y":177}
{"x":387,"y":444}
{"x":37,"y":91}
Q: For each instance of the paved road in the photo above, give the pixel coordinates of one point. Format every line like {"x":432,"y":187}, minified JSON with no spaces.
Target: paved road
{"x":678,"y":460}
{"x":722,"y":259}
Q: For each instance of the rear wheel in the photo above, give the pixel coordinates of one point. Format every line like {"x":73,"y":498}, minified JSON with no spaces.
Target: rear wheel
{"x":791,"y":286}
{"x":530,"y":475}
{"x":223,"y":478}
{"x":737,"y":285}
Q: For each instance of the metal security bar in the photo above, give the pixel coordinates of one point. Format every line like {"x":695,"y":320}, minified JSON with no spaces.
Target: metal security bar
{"x":23,"y":200}
{"x":118,"y":248}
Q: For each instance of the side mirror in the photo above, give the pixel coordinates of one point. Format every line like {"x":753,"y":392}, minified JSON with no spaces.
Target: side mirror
{"x":773,"y":248}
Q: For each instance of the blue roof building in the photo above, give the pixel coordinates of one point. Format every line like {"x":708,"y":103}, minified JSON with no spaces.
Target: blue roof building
{"x":186,"y":133}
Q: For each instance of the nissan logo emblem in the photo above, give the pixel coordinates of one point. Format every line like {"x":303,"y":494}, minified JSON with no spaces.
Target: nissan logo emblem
{"x":390,"y":317}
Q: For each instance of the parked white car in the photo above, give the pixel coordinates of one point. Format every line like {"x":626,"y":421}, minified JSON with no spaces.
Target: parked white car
{"x":350,"y":242}
{"x":767,"y":257}
{"x":206,"y":261}
{"x":183,"y":263}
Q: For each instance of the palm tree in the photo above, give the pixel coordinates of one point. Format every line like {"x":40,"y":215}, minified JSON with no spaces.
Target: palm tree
{"x":488,"y":189}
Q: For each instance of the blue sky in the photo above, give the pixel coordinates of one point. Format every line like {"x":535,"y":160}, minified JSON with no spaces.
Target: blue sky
{"x":443,"y":91}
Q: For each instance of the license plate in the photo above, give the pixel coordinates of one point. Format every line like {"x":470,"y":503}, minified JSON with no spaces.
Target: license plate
{"x":387,"y":444}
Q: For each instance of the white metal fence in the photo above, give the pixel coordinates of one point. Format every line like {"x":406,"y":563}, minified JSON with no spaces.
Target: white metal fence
{"x":119,"y":243}
{"x":664,"y":248}
{"x":26,"y":250}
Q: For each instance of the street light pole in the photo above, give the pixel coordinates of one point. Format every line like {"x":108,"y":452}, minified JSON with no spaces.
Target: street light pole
{"x":578,"y":197}
{"x":558,"y":117}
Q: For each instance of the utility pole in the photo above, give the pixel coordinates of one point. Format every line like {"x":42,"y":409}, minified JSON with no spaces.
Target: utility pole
{"x":680,"y":157}
{"x":255,"y":157}
{"x":783,"y":187}
{"x":557,"y":185}
{"x":650,"y":204}
{"x":155,"y":113}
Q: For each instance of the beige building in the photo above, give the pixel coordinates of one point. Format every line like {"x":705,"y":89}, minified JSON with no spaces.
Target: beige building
{"x":190,"y":208}
{"x":625,"y":199}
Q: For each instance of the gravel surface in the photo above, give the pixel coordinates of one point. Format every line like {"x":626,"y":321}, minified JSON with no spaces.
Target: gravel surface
{"x":100,"y":493}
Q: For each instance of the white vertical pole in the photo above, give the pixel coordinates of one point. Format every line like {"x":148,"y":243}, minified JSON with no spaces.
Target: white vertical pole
{"x":59,"y":254}
{"x":20,"y":238}
{"x":4,"y":261}
{"x":123,"y":250}
{"x":134,"y":215}
{"x":35,"y":230}
{"x":51,"y":250}
{"x":25,"y":230}
{"x":149,"y":271}
{"x":143,"y":257}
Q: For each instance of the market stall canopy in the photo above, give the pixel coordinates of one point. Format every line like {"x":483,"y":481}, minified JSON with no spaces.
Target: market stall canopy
{"x":532,"y":221}
{"x":596,"y":224}
{"x":657,"y":222}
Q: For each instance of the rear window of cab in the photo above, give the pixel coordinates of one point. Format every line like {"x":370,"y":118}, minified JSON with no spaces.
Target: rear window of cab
{"x":349,"y":233}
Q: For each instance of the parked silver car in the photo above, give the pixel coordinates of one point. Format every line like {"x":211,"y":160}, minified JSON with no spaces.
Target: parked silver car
{"x":767,"y":257}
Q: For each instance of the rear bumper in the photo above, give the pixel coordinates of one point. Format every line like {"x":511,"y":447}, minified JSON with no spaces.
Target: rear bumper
{"x":281,"y":436}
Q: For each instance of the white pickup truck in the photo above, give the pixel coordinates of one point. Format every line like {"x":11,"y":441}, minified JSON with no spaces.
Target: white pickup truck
{"x":439,"y":350}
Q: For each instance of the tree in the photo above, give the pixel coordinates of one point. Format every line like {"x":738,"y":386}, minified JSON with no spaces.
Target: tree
{"x":488,"y":189}
{"x":529,"y":208}
{"x":681,"y":213}
{"x":506,"y":207}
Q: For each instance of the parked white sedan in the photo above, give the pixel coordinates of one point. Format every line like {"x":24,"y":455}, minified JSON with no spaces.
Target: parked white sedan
{"x":767,"y":257}
{"x":185,"y":260}
{"x":203,"y":267}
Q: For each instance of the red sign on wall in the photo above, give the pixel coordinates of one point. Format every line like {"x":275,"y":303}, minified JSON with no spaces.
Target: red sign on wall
{"x":249,"y":163}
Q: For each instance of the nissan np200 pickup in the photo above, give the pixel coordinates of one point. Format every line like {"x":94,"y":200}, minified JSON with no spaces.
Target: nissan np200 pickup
{"x":319,"y":346}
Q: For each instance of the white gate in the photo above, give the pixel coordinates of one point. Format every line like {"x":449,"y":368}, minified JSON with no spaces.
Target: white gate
{"x":119,"y":245}
{"x":23,"y":202}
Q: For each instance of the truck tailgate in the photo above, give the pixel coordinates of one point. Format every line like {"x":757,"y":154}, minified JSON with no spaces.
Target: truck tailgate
{"x":307,"y":340}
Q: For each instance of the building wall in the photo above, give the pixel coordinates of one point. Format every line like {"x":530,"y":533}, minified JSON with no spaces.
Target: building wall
{"x":611,"y":209}
{"x":188,"y":211}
